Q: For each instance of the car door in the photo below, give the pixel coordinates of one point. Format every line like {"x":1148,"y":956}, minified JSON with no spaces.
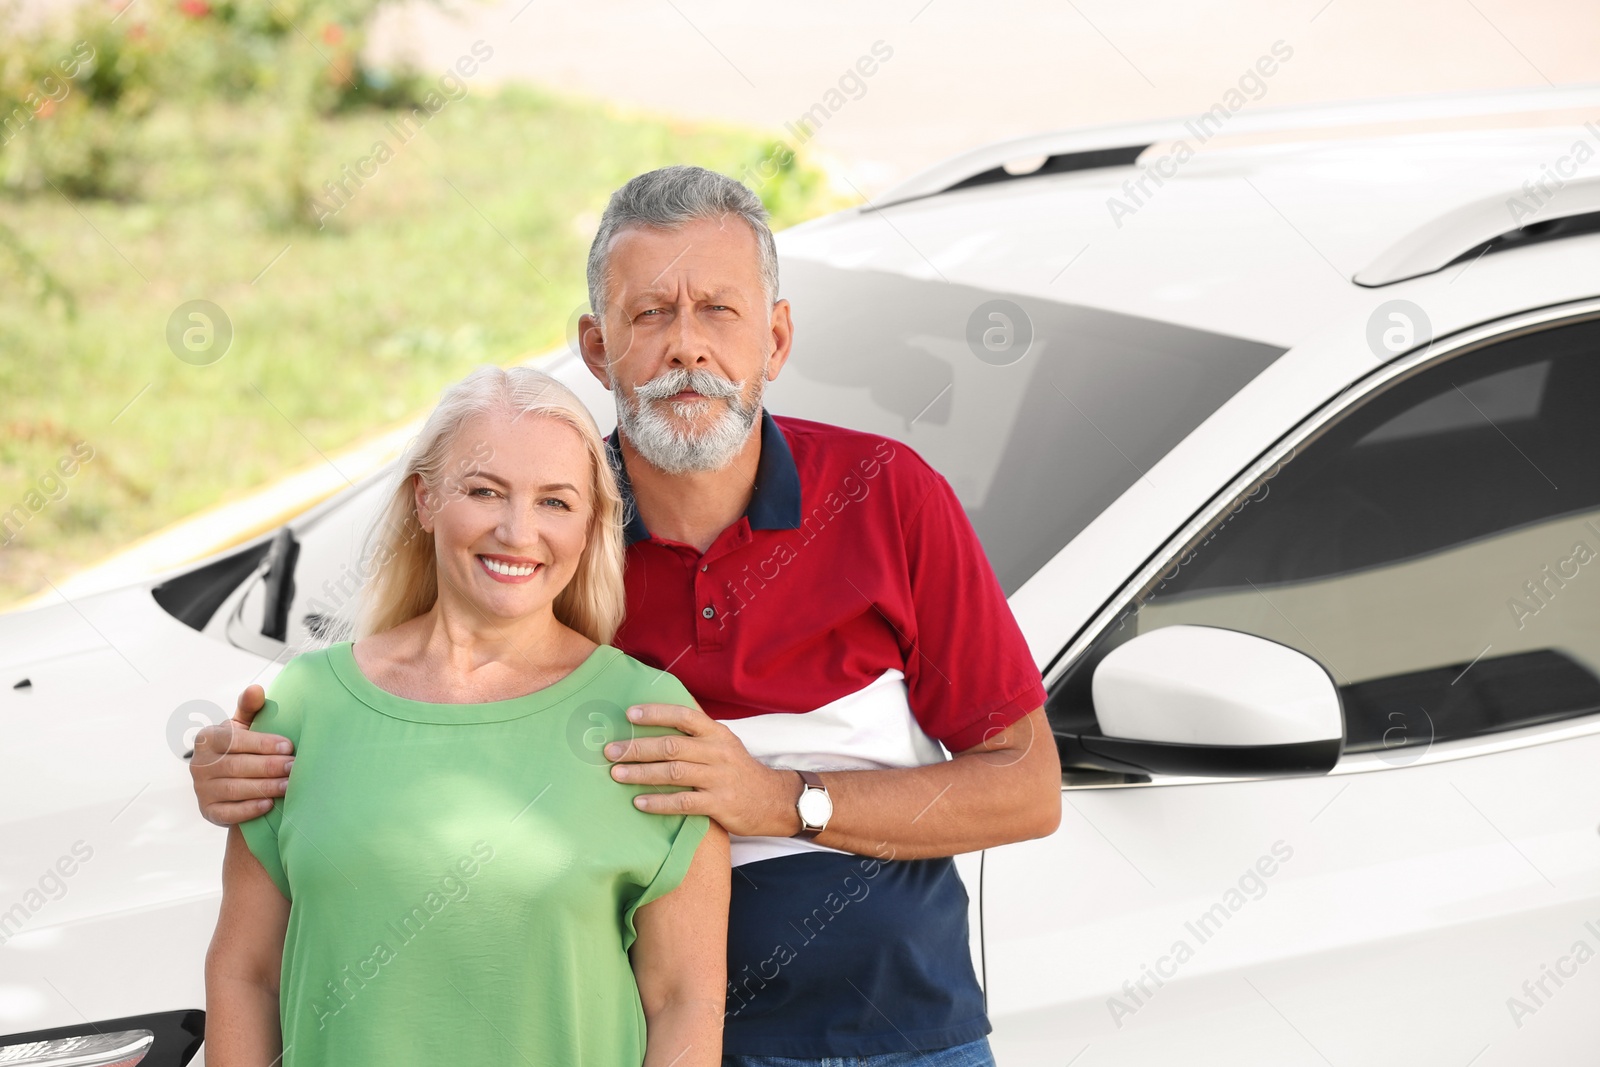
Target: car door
{"x":1432,"y":538}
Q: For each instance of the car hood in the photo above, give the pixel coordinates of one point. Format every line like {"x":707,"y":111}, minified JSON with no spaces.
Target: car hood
{"x":42,"y":633}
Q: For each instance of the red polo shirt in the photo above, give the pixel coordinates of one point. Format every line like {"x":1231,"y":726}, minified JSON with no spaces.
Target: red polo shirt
{"x":853,"y":558}
{"x":848,"y":620}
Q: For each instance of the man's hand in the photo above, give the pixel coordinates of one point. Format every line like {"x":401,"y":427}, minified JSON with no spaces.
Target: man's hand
{"x":1006,"y":788}
{"x":236,"y":772}
{"x":746,"y":796}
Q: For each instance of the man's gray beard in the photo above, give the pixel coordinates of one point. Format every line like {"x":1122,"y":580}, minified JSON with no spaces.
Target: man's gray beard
{"x":667,"y":447}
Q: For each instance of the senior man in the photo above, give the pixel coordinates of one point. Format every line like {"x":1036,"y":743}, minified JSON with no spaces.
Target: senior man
{"x":836,"y":653}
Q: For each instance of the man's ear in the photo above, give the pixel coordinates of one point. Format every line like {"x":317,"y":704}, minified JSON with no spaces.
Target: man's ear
{"x":592,"y":346}
{"x":782,"y":338}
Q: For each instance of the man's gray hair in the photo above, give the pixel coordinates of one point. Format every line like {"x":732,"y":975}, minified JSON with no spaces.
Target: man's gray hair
{"x":670,"y":197}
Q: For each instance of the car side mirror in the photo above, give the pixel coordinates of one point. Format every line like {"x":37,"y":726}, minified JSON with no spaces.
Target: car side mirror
{"x":1200,"y":700}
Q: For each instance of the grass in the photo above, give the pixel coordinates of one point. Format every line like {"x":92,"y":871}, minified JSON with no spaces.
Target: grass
{"x":466,"y":247}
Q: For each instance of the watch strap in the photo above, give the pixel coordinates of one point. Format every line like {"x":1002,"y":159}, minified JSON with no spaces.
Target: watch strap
{"x":809,"y":780}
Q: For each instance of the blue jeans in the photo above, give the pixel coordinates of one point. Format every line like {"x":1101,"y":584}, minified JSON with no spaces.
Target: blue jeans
{"x":973,"y":1054}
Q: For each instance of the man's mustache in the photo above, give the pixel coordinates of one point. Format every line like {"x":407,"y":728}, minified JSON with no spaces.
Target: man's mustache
{"x":673,"y":382}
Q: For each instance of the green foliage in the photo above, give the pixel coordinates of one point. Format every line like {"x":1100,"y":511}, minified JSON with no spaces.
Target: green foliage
{"x":792,"y":190}
{"x":38,"y":281}
{"x":74,"y":94}
{"x":70,"y":99}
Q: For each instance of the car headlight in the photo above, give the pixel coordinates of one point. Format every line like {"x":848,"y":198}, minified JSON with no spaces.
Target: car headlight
{"x":155,"y":1039}
{"x":124,"y":1048}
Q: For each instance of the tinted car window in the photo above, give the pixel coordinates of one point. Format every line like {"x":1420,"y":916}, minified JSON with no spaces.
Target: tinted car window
{"x":1034,"y":448}
{"x":1437,"y":549}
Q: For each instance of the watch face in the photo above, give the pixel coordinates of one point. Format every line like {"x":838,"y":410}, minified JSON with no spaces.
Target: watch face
{"x":815,"y":807}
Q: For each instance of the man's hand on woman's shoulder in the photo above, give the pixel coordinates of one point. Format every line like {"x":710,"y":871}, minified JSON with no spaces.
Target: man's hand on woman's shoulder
{"x":237,"y":773}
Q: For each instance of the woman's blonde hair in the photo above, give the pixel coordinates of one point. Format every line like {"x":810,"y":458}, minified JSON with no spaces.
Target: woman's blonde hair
{"x":399,"y":556}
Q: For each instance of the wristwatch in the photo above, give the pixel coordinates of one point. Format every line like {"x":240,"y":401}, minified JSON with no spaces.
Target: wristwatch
{"x":815,"y":805}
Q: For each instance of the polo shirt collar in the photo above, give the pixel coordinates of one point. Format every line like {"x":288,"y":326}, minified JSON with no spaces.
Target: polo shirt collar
{"x":774,"y":505}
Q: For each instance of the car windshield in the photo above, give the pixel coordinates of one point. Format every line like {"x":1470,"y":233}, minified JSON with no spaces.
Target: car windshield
{"x":1034,"y":448}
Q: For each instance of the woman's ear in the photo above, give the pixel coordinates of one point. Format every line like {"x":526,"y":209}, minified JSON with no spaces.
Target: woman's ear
{"x":424,"y":500}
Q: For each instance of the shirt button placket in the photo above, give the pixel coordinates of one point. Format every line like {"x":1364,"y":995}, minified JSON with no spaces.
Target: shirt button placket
{"x":706,"y":629}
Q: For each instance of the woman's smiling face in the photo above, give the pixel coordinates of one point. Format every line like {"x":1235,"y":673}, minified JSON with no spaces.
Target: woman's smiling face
{"x":511,"y":515}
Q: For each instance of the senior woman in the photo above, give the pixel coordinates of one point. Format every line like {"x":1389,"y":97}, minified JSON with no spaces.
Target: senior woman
{"x":454,"y":877}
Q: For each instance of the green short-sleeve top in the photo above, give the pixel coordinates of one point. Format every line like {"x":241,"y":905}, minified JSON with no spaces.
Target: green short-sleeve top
{"x":462,"y":878}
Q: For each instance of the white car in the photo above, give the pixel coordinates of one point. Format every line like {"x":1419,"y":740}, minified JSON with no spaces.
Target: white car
{"x":1285,"y":447}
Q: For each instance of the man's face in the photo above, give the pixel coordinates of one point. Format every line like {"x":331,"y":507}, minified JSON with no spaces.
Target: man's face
{"x":688,"y":341}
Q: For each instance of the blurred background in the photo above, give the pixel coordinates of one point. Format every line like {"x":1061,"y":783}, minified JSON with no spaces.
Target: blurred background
{"x":243,"y":242}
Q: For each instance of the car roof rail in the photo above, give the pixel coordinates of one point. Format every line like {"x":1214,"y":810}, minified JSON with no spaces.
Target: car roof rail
{"x":1508,"y":219}
{"x":1079,"y":149}
{"x":1056,"y":163}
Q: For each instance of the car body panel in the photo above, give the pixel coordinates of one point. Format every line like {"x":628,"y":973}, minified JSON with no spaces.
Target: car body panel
{"x":1436,"y":890}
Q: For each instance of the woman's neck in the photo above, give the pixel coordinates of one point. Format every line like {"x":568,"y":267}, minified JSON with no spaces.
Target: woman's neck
{"x":453,"y":654}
